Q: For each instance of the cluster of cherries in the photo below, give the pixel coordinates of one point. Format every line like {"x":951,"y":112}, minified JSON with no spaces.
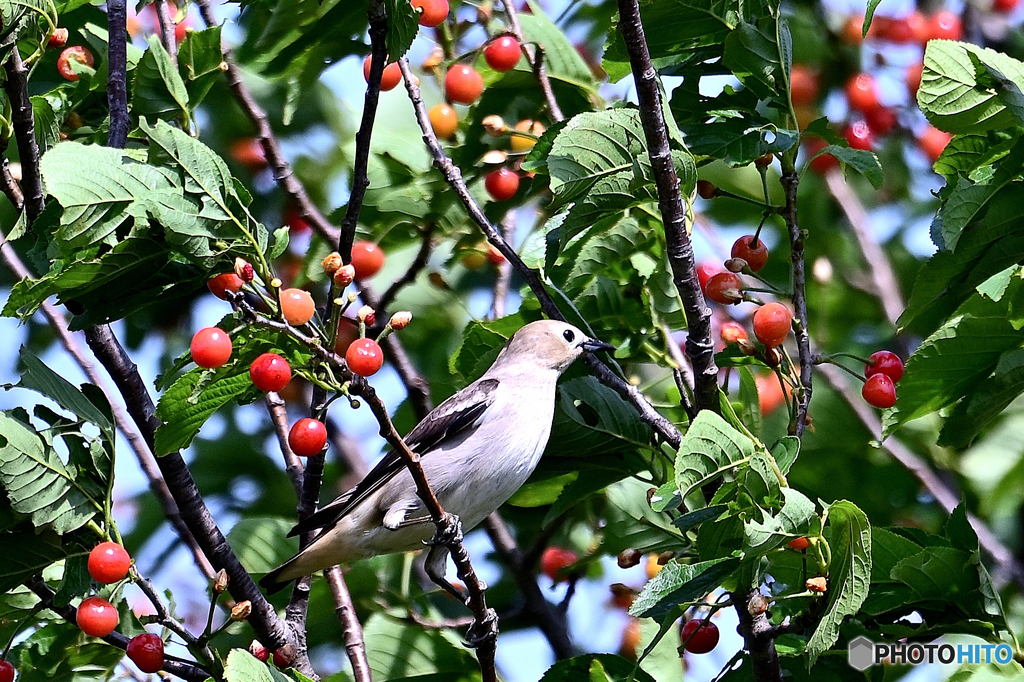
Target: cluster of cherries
{"x":212,"y":347}
{"x":463,"y":85}
{"x":772,"y":321}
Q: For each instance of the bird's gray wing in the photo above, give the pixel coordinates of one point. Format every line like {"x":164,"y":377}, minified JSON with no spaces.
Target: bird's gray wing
{"x":448,"y":420}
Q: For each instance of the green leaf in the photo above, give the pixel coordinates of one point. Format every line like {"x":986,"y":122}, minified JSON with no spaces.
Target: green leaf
{"x":199,"y":58}
{"x":38,"y":377}
{"x":183,"y":416}
{"x":750,"y":414}
{"x":481,"y":342}
{"x":157,"y":89}
{"x":562,"y":62}
{"x":632,"y":523}
{"x":709,"y":448}
{"x":261,"y":542}
{"x":752,"y":53}
{"x":95,"y":185}
{"x":795,"y":520}
{"x":404,"y":650}
{"x":860,"y":160}
{"x":785,"y":452}
{"x":614,"y":668}
{"x":950,"y":95}
{"x":849,"y":574}
{"x":937,"y":573}
{"x":403,"y":27}
{"x":980,"y":407}
{"x":39,"y":484}
{"x":955,"y":359}
{"x":28,"y":553}
{"x":678,"y":583}
{"x":607,"y":422}
{"x":242,"y":666}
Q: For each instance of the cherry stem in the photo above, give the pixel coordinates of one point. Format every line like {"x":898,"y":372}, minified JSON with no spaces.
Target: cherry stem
{"x":719,"y":192}
{"x":764,"y":217}
{"x":829,"y":360}
{"x":866,"y":361}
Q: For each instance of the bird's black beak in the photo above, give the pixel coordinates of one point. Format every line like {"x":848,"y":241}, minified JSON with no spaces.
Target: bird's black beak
{"x":593,"y":345}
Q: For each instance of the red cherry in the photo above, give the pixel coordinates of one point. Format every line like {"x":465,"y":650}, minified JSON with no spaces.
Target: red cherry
{"x":280,"y":660}
{"x":881,"y":120}
{"x":389,"y":80}
{"x":772,"y":322}
{"x":307,"y":437}
{"x":769,"y":393}
{"x":367,"y":259}
{"x":462,"y":84}
{"x":297,"y":306}
{"x":913,"y":78}
{"x":859,"y":136}
{"x":364,"y":357}
{"x":6,"y":671}
{"x":259,"y":651}
{"x":555,"y":560}
{"x":147,"y":652}
{"x":221,"y":284}
{"x":853,"y":31}
{"x":434,"y":11}
{"x":885,"y":362}
{"x":96,"y":617}
{"x":1005,"y":6}
{"x":945,"y":25}
{"x":879,"y":391}
{"x":294,"y":220}
{"x":756,"y":254}
{"x":59,"y":38}
{"x":862,"y":93}
{"x":250,"y":153}
{"x":501,"y":184}
{"x":700,"y":635}
{"x":503,"y":53}
{"x":725,"y":288}
{"x":74,"y":53}
{"x":933,"y":141}
{"x":799,"y":544}
{"x":270,"y":372}
{"x":803,"y":85}
{"x":731,"y":332}
{"x":108,"y":562}
{"x":706,"y":271}
{"x":211,"y":347}
{"x":908,"y":29}
{"x":820,"y":164}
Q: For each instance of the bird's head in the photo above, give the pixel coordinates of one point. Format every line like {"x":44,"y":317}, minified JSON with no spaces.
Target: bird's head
{"x":548,"y":344}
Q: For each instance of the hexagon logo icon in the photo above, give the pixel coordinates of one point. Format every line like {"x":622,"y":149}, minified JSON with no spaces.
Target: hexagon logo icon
{"x":861,"y":654}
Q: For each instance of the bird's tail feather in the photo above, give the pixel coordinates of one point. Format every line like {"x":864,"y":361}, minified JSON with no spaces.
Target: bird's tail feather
{"x":272,"y":581}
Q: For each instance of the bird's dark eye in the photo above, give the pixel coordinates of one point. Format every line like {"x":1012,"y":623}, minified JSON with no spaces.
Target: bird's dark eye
{"x":568,"y":335}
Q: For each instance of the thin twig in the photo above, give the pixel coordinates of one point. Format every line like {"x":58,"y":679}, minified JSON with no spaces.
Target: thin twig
{"x":504,"y":278}
{"x":379,"y":57}
{"x":279,"y":418}
{"x":758,"y":639}
{"x":884,"y":283}
{"x":167,"y":29}
{"x":699,"y":346}
{"x":551,"y":621}
{"x":409,"y":276}
{"x":186,"y":671}
{"x":117,"y":80}
{"x":169,"y":621}
{"x":352,"y":631}
{"x":535,"y":56}
{"x":23,"y":122}
{"x":445,"y":523}
{"x":271,"y":148}
{"x":946,"y":496}
{"x":790,"y":182}
{"x":453,"y":176}
{"x":8,"y":185}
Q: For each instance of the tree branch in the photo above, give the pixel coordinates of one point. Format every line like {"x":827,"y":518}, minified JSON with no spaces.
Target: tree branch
{"x":551,"y":621}
{"x":8,"y":185}
{"x":383,"y":304}
{"x":352,"y":631}
{"x":453,"y":176}
{"x":269,"y":628}
{"x":117,"y":79}
{"x":378,"y":59}
{"x":535,"y":56}
{"x":167,"y":29}
{"x":790,"y":182}
{"x":758,"y":639}
{"x":275,"y":157}
{"x":445,"y":523}
{"x":699,"y":345}
{"x":504,"y":278}
{"x":23,"y":121}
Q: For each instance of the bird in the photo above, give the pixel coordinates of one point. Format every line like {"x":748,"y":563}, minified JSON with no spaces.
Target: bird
{"x":477,"y":448}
